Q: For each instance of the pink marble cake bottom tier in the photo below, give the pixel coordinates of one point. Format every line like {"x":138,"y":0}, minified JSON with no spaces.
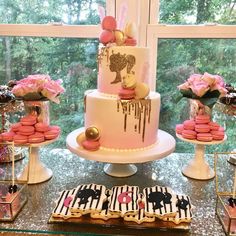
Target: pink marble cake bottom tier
{"x":123,"y":124}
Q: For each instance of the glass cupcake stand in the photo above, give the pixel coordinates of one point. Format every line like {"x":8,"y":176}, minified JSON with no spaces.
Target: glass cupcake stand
{"x":198,"y":168}
{"x":121,"y":163}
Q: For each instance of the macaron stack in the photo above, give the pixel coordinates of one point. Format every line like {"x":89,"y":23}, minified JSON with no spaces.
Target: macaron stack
{"x":201,"y":128}
{"x":28,"y":130}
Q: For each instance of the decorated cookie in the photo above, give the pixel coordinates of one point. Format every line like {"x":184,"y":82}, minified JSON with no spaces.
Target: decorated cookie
{"x":159,"y":201}
{"x":124,"y":200}
{"x":105,"y":214}
{"x":88,"y":198}
{"x":184,"y":212}
{"x":62,"y":205}
{"x":140,"y":217}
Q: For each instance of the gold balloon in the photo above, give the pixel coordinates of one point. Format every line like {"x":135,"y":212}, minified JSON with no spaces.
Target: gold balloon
{"x":120,"y":38}
{"x":92,"y":133}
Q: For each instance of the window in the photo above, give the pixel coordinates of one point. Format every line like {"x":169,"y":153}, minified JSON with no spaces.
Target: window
{"x":182,"y":39}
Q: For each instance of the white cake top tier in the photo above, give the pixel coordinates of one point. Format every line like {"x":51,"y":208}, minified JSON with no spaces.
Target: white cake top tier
{"x":119,"y":65}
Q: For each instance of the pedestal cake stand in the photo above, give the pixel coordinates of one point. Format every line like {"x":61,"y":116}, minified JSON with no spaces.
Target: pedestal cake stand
{"x":35,"y":171}
{"x":121,"y":163}
{"x":198,"y":168}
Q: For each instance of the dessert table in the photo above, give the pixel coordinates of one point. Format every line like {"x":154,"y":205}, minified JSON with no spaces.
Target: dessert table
{"x":69,"y":170}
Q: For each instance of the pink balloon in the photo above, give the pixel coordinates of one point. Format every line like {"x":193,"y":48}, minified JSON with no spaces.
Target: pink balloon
{"x":106,"y":37}
{"x":109,"y":23}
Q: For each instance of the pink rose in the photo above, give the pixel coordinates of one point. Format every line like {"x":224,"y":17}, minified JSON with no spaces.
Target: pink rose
{"x":199,"y":88}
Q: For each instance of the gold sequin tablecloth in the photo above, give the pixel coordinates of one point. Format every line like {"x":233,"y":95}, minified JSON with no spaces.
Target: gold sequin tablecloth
{"x":69,"y":171}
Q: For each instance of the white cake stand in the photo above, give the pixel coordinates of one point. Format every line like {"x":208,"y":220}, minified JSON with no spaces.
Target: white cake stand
{"x":35,"y":171}
{"x":119,"y":162}
{"x":198,"y":168}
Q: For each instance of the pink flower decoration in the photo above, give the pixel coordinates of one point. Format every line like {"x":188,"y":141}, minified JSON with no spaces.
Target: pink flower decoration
{"x":39,"y":84}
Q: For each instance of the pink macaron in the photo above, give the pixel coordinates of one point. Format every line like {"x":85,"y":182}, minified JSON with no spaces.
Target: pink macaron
{"x":55,"y":127}
{"x":106,"y":37}
{"x":214,"y":125}
{"x":20,"y":139}
{"x":179,"y":128}
{"x":126,"y":93}
{"x":218,"y":135}
{"x":28,"y":120}
{"x":36,"y":138}
{"x":130,"y":42}
{"x":15,"y":127}
{"x":41,"y":127}
{"x":91,"y":145}
{"x":51,"y":134}
{"x":202,"y":128}
{"x":8,"y":136}
{"x":204,"y":137}
{"x":189,"y":134}
{"x":202,"y":119}
{"x":189,"y":124}
{"x":109,"y":23}
{"x":26,"y":130}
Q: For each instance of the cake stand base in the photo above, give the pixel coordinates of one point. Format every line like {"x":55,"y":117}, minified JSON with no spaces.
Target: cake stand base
{"x":120,"y":170}
{"x":35,"y":171}
{"x":198,"y":168}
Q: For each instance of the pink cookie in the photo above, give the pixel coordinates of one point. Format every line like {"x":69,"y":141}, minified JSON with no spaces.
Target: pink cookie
{"x":214,"y":125}
{"x":20,"y":139}
{"x":218,"y":135}
{"x":91,"y":145}
{"x":36,"y":138}
{"x":26,"y":130}
{"x":189,"y":134}
{"x":202,"y":128}
{"x":189,"y":124}
{"x":15,"y":127}
{"x":106,"y":37}
{"x":8,"y":136}
{"x":126,"y":93}
{"x":51,"y":134}
{"x":28,"y":120}
{"x":109,"y":23}
{"x":41,"y":127}
{"x":205,"y":137}
{"x":179,"y":128}
{"x":130,"y":42}
{"x":202,"y":119}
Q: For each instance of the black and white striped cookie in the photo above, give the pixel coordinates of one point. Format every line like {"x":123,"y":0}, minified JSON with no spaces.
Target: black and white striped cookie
{"x":105,"y":214}
{"x":62,"y":205}
{"x":88,"y":198}
{"x":184,"y":212}
{"x":124,"y":199}
{"x":159,"y":201}
{"x":140,"y":217}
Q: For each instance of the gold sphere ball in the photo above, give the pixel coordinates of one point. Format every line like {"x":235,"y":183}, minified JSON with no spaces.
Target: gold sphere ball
{"x":80,"y":138}
{"x":92,"y":133}
{"x":120,"y":38}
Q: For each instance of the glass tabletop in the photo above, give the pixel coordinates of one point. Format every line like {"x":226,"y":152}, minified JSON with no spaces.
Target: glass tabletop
{"x":69,"y":171}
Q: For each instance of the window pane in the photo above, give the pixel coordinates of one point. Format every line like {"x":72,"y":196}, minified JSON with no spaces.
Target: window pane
{"x":74,"y":61}
{"x":42,"y":12}
{"x":177,"y":60}
{"x":197,"y":11}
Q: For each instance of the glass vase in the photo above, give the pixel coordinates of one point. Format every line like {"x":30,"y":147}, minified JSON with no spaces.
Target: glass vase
{"x":39,"y":109}
{"x":197,"y":108}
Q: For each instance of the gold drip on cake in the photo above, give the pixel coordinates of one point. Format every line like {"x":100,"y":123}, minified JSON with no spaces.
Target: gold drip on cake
{"x":140,"y":109}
